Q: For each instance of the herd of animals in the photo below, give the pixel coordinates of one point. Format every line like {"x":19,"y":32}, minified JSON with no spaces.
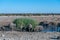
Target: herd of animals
{"x":41,"y":27}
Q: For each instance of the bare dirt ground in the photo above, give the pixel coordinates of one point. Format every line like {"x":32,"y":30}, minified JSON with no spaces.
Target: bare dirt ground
{"x":13,"y":35}
{"x":7,"y":19}
{"x":27,"y":35}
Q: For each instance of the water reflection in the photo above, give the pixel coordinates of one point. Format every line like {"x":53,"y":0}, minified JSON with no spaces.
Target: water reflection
{"x":42,"y":27}
{"x":50,"y":27}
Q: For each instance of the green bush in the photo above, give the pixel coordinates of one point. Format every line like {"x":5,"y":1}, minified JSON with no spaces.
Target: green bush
{"x":24,"y":22}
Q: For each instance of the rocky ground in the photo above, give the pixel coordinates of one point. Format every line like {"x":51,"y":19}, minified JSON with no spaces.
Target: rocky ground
{"x":13,"y":35}
{"x":7,"y":19}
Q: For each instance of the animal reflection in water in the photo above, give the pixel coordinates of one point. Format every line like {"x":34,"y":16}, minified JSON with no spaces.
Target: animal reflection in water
{"x":41,"y":27}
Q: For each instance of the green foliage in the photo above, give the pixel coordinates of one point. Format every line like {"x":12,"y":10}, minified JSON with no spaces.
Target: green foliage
{"x":24,"y":22}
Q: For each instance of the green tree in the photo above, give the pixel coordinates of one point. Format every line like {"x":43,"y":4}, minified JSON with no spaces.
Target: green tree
{"x":24,"y":22}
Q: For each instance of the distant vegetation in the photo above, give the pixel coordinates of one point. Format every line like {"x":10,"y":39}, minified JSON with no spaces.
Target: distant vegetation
{"x":27,"y":14}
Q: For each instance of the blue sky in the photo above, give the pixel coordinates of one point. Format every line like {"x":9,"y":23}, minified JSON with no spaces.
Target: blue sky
{"x":29,"y":6}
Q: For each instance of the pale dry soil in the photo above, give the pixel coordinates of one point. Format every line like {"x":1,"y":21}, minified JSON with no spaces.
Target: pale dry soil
{"x":14,"y":35}
{"x":4,"y":20}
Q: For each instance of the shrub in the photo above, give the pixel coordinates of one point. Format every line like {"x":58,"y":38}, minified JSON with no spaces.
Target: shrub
{"x":24,"y":22}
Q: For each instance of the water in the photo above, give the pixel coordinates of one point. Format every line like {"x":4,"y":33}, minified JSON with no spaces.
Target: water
{"x":51,"y":29}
